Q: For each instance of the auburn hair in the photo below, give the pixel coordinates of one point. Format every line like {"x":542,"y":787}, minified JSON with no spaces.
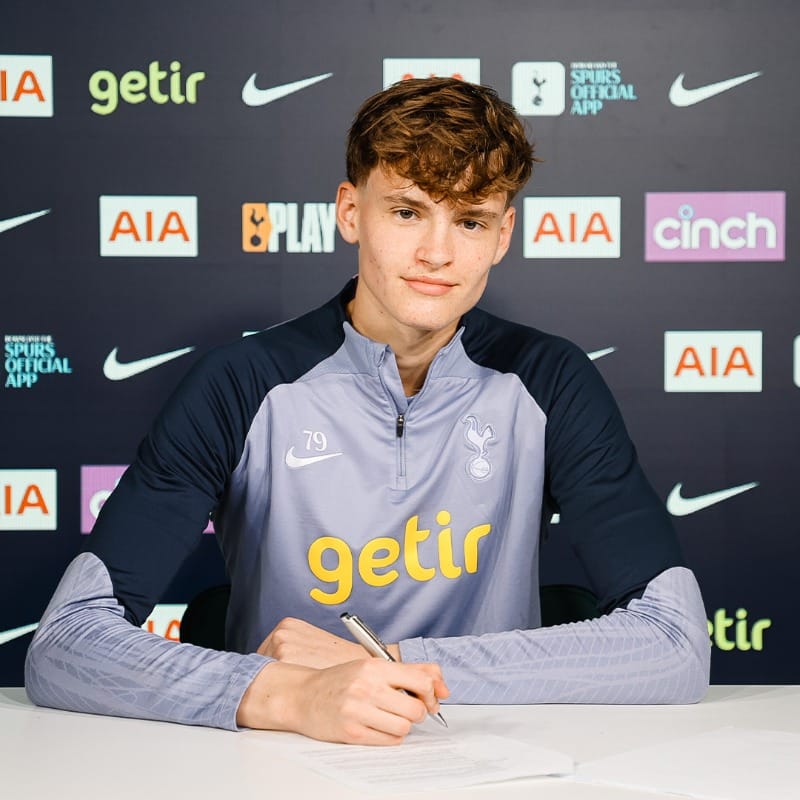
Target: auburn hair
{"x":456,"y":141}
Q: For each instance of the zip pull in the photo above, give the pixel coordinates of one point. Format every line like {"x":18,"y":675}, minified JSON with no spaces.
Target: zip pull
{"x":400,"y":425}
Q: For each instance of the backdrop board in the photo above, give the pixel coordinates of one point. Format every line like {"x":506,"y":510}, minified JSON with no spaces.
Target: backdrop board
{"x":167,"y":182}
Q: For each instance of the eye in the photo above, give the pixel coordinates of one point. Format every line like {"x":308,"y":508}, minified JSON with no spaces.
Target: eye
{"x":405,"y":213}
{"x":472,"y":224}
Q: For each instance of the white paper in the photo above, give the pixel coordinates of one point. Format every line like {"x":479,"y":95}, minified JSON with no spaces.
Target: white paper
{"x":723,"y":764}
{"x":427,"y":761}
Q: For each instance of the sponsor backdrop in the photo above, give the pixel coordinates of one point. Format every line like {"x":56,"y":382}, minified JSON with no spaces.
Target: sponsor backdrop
{"x":167,"y":181}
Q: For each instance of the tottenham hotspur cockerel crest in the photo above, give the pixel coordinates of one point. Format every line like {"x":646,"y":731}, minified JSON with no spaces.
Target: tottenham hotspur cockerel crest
{"x":479,"y":467}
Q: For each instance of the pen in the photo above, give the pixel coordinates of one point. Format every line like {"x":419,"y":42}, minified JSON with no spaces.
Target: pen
{"x":369,"y":640}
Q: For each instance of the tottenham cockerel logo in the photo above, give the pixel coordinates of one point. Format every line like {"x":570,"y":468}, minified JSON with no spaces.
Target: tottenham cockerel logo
{"x":479,"y":467}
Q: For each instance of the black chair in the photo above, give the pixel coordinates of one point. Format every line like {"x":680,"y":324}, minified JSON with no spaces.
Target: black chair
{"x":203,"y":621}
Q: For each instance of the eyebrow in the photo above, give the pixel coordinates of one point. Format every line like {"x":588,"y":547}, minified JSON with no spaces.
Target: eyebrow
{"x":470,"y":210}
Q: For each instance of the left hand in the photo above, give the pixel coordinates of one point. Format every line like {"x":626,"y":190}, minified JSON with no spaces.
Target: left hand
{"x":297,"y":642}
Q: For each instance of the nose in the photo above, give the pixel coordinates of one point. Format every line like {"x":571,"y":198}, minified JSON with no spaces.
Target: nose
{"x":435,"y":248}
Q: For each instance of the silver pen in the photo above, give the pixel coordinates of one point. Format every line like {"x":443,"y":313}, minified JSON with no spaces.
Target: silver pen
{"x":370,"y":641}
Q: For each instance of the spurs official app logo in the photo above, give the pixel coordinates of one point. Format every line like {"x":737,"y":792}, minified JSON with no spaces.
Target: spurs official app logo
{"x":401,"y":69}
{"x":714,"y":226}
{"x":28,"y":500}
{"x":712,"y":361}
{"x":143,"y":226}
{"x":571,"y":227}
{"x":160,"y":86}
{"x":538,"y":88}
{"x":28,"y":356}
{"x":288,"y":227}
{"x":97,"y":484}
{"x":26,"y":86}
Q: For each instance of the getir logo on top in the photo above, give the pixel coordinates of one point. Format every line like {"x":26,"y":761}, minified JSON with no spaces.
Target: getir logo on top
{"x":401,"y":69}
{"x":26,"y":86}
{"x":712,"y":361}
{"x":28,"y":500}
{"x":142,"y":226}
{"x":571,"y":227}
{"x":714,"y":226}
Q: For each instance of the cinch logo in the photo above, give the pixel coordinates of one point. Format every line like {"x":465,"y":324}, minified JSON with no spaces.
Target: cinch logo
{"x":145,"y":226}
{"x":165,"y":620}
{"x":714,"y":226}
{"x":306,"y":228}
{"x":712,"y":361}
{"x":377,"y":558}
{"x":158,"y":85}
{"x":27,"y":356}
{"x":571,"y":227}
{"x":97,"y":483}
{"x":26,"y":86}
{"x":401,"y":69}
{"x":746,"y":635}
{"x":28,"y":500}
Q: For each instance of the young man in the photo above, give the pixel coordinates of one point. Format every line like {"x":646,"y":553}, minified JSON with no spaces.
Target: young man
{"x":390,"y":453}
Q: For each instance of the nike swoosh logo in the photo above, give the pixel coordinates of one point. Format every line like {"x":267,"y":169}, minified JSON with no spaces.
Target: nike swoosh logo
{"x":13,"y":222}
{"x":116,"y":371}
{"x":680,"y":506}
{"x":295,"y":462}
{"x":253,"y":96}
{"x":595,"y":354}
{"x":15,"y":633}
{"x":681,"y":97}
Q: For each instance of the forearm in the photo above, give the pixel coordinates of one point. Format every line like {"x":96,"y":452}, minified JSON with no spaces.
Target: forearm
{"x":87,"y":657}
{"x":654,"y":651}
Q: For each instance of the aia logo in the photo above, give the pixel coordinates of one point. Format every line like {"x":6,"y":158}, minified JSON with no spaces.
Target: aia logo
{"x":712,"y":361}
{"x":143,"y":226}
{"x":27,"y":500}
{"x":571,"y":227}
{"x":401,"y":69}
{"x":26,"y":86}
{"x":165,"y":620}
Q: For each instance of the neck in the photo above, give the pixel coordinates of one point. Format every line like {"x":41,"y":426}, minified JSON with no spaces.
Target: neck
{"x":413,"y":350}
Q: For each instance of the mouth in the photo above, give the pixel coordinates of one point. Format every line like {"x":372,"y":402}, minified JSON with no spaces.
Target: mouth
{"x":433,"y":287}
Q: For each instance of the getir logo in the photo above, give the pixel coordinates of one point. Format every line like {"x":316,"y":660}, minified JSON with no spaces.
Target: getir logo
{"x":571,"y":227}
{"x":28,"y":500}
{"x":712,"y":361}
{"x":401,"y":69}
{"x":291,"y":227}
{"x":26,"y":86}
{"x":158,"y":85}
{"x":148,"y":226}
{"x":714,"y":226}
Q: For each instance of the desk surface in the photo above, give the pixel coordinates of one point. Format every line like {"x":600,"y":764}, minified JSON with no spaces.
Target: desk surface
{"x":46,"y":753}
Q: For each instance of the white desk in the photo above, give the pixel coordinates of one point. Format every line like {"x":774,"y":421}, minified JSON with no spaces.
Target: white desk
{"x":57,"y":754}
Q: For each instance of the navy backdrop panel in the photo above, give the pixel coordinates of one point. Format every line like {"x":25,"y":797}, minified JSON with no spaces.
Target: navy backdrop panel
{"x":155,"y":201}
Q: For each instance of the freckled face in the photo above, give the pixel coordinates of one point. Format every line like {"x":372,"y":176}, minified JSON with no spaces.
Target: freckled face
{"x":421,"y":264}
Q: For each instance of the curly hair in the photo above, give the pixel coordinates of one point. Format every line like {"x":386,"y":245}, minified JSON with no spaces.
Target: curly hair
{"x":457,"y":141}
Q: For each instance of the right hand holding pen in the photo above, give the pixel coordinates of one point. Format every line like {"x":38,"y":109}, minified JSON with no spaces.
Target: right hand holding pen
{"x":356,"y":702}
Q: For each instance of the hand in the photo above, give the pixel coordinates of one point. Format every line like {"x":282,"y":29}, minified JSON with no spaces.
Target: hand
{"x":297,"y":642}
{"x":355,"y":703}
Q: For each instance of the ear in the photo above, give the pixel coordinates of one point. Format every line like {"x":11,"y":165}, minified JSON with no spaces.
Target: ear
{"x":347,"y":211}
{"x":506,"y":229}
